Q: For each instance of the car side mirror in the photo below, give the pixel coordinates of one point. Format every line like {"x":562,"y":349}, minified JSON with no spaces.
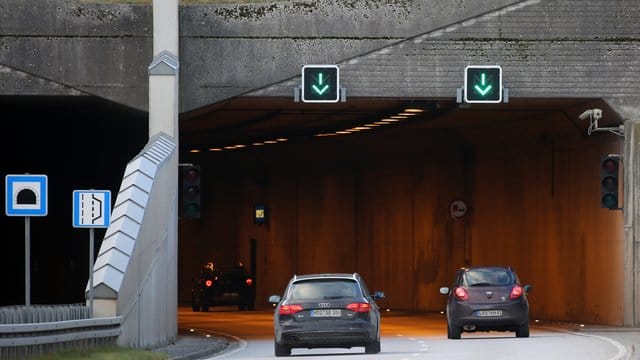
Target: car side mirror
{"x":444,"y":290}
{"x":528,"y":288}
{"x":274,"y":299}
{"x":378,"y":295}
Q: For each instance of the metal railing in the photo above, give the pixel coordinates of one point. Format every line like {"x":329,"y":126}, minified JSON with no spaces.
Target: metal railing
{"x":27,"y":331}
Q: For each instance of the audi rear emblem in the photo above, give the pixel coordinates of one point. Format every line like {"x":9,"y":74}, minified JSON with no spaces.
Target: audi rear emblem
{"x":324,"y":305}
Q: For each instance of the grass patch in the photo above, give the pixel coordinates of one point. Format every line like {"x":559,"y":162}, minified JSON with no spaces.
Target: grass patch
{"x":104,"y":353}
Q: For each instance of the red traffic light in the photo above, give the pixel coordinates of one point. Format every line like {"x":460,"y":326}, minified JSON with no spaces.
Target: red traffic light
{"x":610,"y":165}
{"x":192,"y":174}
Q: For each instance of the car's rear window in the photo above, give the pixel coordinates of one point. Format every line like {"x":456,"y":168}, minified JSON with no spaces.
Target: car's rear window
{"x":487,"y":278}
{"x":324,"y":289}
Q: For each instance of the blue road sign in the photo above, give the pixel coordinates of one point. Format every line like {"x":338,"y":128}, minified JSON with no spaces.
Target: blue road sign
{"x":26,"y":195}
{"x":91,"y":208}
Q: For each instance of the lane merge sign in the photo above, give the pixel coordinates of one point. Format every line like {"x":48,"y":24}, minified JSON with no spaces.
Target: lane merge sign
{"x":26,"y":195}
{"x":91,"y":208}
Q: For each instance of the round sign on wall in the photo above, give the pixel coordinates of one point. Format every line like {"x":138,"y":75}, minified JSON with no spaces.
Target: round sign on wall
{"x":458,"y":209}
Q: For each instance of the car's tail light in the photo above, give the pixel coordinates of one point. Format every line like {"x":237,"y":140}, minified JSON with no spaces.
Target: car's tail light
{"x":208,"y":283}
{"x":290,"y":309}
{"x":516,"y":292}
{"x":461,"y":293}
{"x":249,"y":281}
{"x":359,"y":307}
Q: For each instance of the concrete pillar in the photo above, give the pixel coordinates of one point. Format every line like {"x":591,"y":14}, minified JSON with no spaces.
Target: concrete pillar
{"x":163,"y":71}
{"x":163,"y":117}
{"x":629,"y":110}
{"x":631,"y":255}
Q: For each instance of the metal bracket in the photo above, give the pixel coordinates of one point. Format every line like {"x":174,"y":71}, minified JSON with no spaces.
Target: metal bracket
{"x":593,"y":127}
{"x":296,"y":93}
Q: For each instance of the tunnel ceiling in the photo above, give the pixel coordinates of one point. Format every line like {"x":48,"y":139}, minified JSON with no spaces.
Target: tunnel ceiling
{"x":257,"y":125}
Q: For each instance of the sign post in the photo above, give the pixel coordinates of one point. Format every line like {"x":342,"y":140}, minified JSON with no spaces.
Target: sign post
{"x":26,"y":195}
{"x":91,"y":209}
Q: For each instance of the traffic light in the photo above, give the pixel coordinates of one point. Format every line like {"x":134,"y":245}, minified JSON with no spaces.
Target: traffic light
{"x":191,"y":192}
{"x":483,"y":84}
{"x":320,"y":83}
{"x":609,"y":182}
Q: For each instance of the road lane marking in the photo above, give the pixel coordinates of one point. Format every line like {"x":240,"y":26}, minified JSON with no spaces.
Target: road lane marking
{"x":242,"y":344}
{"x":622,"y":351}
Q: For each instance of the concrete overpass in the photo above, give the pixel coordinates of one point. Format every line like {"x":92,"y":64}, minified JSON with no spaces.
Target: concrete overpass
{"x":377,"y":202}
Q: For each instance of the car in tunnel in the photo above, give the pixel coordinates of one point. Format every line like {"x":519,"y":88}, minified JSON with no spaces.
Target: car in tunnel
{"x":326,"y":311}
{"x":489,"y":298}
{"x":223,"y":286}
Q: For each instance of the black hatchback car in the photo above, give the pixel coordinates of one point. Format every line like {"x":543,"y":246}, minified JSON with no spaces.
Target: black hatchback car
{"x":486,"y":299}
{"x":223,"y":286}
{"x":326,"y":311}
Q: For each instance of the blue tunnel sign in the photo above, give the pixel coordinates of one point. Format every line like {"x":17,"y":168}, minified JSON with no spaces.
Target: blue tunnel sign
{"x":26,"y":195}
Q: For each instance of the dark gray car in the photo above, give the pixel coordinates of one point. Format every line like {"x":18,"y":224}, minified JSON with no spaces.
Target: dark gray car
{"x":485,"y":299}
{"x":326,"y":311}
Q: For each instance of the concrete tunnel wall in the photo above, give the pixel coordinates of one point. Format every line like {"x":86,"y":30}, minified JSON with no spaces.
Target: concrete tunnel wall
{"x":533,"y":206}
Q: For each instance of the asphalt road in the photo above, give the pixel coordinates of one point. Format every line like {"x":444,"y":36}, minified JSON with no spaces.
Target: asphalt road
{"x":417,"y":336}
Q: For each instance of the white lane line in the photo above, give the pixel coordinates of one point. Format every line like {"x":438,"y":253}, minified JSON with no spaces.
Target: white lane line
{"x":242,"y":344}
{"x":622,"y":351}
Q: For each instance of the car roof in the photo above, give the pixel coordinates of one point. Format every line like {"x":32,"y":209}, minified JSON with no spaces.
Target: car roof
{"x":352,"y":276}
{"x":507,"y":268}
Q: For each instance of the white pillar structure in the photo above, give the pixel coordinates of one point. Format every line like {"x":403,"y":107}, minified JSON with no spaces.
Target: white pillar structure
{"x":163,"y":71}
{"x":163,"y":118}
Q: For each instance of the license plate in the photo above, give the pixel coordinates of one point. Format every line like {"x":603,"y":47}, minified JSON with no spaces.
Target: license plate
{"x":489,"y":313}
{"x":230,"y":294}
{"x":326,"y":313}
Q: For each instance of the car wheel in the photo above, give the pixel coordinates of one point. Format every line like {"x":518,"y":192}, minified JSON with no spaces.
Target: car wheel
{"x":205,"y":308}
{"x":453,"y":332}
{"x":251,"y":306}
{"x":195,"y":307}
{"x":372,"y":347}
{"x":523,"y":330}
{"x":281,"y":350}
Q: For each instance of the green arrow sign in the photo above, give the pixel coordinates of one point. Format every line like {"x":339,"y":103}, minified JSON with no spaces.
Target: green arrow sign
{"x":483,"y":84}
{"x":320,"y":83}
{"x":482,"y":88}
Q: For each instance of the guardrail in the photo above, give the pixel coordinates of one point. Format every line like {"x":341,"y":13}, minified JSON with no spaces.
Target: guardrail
{"x":36,"y":330}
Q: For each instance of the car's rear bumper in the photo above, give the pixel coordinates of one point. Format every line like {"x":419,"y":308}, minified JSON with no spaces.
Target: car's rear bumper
{"x":343,"y":334}
{"x":466,"y":316}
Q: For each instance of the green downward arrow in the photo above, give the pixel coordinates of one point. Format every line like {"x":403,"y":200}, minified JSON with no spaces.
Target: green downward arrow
{"x":483,"y":88}
{"x":317,"y":89}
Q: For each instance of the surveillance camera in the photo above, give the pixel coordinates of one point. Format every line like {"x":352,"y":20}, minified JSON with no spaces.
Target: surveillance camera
{"x":591,"y":114}
{"x":597,"y":114}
